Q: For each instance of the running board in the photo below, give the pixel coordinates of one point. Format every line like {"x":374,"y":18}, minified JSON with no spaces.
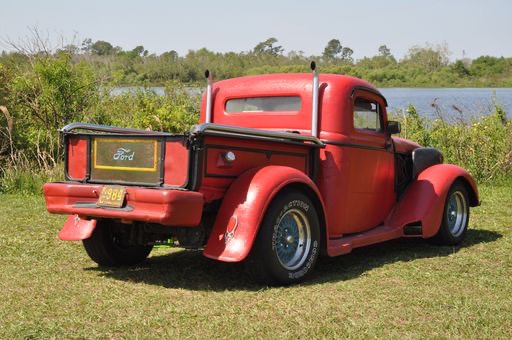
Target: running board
{"x":379,"y":234}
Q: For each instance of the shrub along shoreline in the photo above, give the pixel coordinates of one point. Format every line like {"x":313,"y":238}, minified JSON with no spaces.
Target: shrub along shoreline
{"x":483,"y":145}
{"x":54,"y":91}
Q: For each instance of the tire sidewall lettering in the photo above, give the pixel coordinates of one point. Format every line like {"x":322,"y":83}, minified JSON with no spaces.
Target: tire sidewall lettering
{"x":309,"y":263}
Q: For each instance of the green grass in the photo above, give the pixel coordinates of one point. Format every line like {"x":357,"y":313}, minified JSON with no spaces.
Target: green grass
{"x":403,"y":288}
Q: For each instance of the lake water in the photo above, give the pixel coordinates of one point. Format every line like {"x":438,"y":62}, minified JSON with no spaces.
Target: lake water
{"x":468,"y":102}
{"x":453,"y":102}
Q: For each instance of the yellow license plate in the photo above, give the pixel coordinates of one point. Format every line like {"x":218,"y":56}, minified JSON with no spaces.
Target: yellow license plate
{"x":112,"y":196}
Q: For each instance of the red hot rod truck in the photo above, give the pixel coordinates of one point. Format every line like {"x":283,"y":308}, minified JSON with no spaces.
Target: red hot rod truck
{"x":281,"y":168}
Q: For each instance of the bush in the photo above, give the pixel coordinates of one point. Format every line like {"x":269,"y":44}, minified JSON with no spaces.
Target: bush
{"x":44,"y":97}
{"x":176,"y":111}
{"x":53,"y":92}
{"x":21,"y":175}
{"x":482,"y":146}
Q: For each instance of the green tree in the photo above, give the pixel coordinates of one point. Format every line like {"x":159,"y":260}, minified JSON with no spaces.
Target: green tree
{"x":346,"y":55}
{"x":487,"y":65}
{"x":170,"y":56}
{"x":384,"y":51}
{"x":140,"y":51}
{"x":4,"y":81}
{"x":48,"y":95}
{"x":86,"y":46}
{"x":460,"y":69}
{"x":102,"y":48}
{"x":430,"y":58}
{"x":268,"y":47}
{"x":70,"y":49}
{"x":332,"y":51}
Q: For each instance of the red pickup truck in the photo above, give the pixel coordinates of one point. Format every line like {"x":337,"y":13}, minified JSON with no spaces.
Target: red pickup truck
{"x":281,"y":168}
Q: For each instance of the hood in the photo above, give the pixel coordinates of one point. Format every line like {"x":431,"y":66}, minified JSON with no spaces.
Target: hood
{"x":404,"y":146}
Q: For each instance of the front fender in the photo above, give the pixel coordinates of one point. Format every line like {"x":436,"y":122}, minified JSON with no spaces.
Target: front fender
{"x":244,"y":206}
{"x":424,"y":199}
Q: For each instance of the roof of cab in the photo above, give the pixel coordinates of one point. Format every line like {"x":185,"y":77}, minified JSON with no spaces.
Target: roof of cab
{"x":334,"y":92}
{"x":287,"y":83}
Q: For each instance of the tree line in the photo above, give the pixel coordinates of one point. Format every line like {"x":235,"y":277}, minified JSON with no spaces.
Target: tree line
{"x":42,"y":89}
{"x":422,"y":66}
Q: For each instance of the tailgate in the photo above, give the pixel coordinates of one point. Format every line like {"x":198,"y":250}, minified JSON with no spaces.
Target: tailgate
{"x":154,"y":160}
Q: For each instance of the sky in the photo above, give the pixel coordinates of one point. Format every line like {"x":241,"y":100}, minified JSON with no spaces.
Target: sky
{"x":469,"y":28}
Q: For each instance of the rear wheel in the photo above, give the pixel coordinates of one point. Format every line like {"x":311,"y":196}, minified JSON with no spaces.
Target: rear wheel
{"x":287,"y":246}
{"x":455,"y":217}
{"x":107,"y":246}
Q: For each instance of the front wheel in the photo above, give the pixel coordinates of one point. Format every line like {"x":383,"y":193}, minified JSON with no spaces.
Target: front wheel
{"x":455,"y":217}
{"x":288,"y":242}
{"x":107,"y":246}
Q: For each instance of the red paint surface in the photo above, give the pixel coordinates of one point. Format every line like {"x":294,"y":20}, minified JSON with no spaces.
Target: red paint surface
{"x":176,"y":163}
{"x":167,"y":207}
{"x":248,"y":159}
{"x":404,"y":146}
{"x":217,"y":175}
{"x":335,"y":102}
{"x":355,"y":179}
{"x":246,"y":200}
{"x":77,"y":157}
{"x":424,"y":199}
{"x":77,"y":229}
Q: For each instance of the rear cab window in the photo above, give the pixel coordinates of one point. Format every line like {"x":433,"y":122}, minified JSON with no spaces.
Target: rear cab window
{"x":264,"y":104}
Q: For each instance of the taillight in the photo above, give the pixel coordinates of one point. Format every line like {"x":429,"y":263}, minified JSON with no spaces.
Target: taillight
{"x":76,"y":157}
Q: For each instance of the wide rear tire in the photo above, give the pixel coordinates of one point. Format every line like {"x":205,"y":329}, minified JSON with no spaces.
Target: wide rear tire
{"x":288,"y":242}
{"x":106,"y":248}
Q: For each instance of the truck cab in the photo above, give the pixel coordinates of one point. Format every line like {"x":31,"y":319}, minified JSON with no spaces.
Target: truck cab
{"x":280,"y":169}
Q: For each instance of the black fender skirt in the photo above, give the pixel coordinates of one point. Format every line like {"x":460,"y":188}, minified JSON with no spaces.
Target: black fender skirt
{"x":423,"y":158}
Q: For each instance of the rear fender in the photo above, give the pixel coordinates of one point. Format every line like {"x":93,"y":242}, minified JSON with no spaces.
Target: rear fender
{"x":244,"y":206}
{"x":424,"y":200}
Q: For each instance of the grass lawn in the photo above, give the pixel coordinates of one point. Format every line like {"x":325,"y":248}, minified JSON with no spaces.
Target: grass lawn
{"x":403,"y":288}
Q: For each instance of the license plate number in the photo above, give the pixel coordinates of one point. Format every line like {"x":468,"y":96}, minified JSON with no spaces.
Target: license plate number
{"x":112,"y":196}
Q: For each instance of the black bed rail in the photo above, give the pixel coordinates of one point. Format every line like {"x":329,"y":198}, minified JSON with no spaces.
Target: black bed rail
{"x":207,"y":128}
{"x":219,"y":129}
{"x":112,"y":129}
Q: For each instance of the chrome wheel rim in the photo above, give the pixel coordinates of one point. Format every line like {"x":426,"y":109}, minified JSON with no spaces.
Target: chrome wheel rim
{"x":292,"y":239}
{"x":457,"y":213}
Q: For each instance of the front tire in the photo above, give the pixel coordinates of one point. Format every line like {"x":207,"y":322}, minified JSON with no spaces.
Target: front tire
{"x":455,"y":217}
{"x":288,"y":242}
{"x":108,"y":247}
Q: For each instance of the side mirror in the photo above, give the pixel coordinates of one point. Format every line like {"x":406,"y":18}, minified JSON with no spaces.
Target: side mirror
{"x":393,"y":127}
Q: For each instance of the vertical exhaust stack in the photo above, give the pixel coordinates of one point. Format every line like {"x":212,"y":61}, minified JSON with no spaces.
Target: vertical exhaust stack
{"x":314,"y":108}
{"x":209,"y":80}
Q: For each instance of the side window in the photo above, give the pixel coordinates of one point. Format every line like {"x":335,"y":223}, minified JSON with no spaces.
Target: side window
{"x":367,"y":115}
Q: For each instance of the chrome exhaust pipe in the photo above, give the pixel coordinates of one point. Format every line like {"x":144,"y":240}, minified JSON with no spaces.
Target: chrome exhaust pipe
{"x":209,"y":80}
{"x":314,"y":108}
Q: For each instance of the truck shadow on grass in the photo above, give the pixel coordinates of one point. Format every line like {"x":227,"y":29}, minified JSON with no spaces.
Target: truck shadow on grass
{"x":190,"y":270}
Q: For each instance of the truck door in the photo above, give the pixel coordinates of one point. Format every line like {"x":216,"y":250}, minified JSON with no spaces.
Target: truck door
{"x":371,"y":179}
